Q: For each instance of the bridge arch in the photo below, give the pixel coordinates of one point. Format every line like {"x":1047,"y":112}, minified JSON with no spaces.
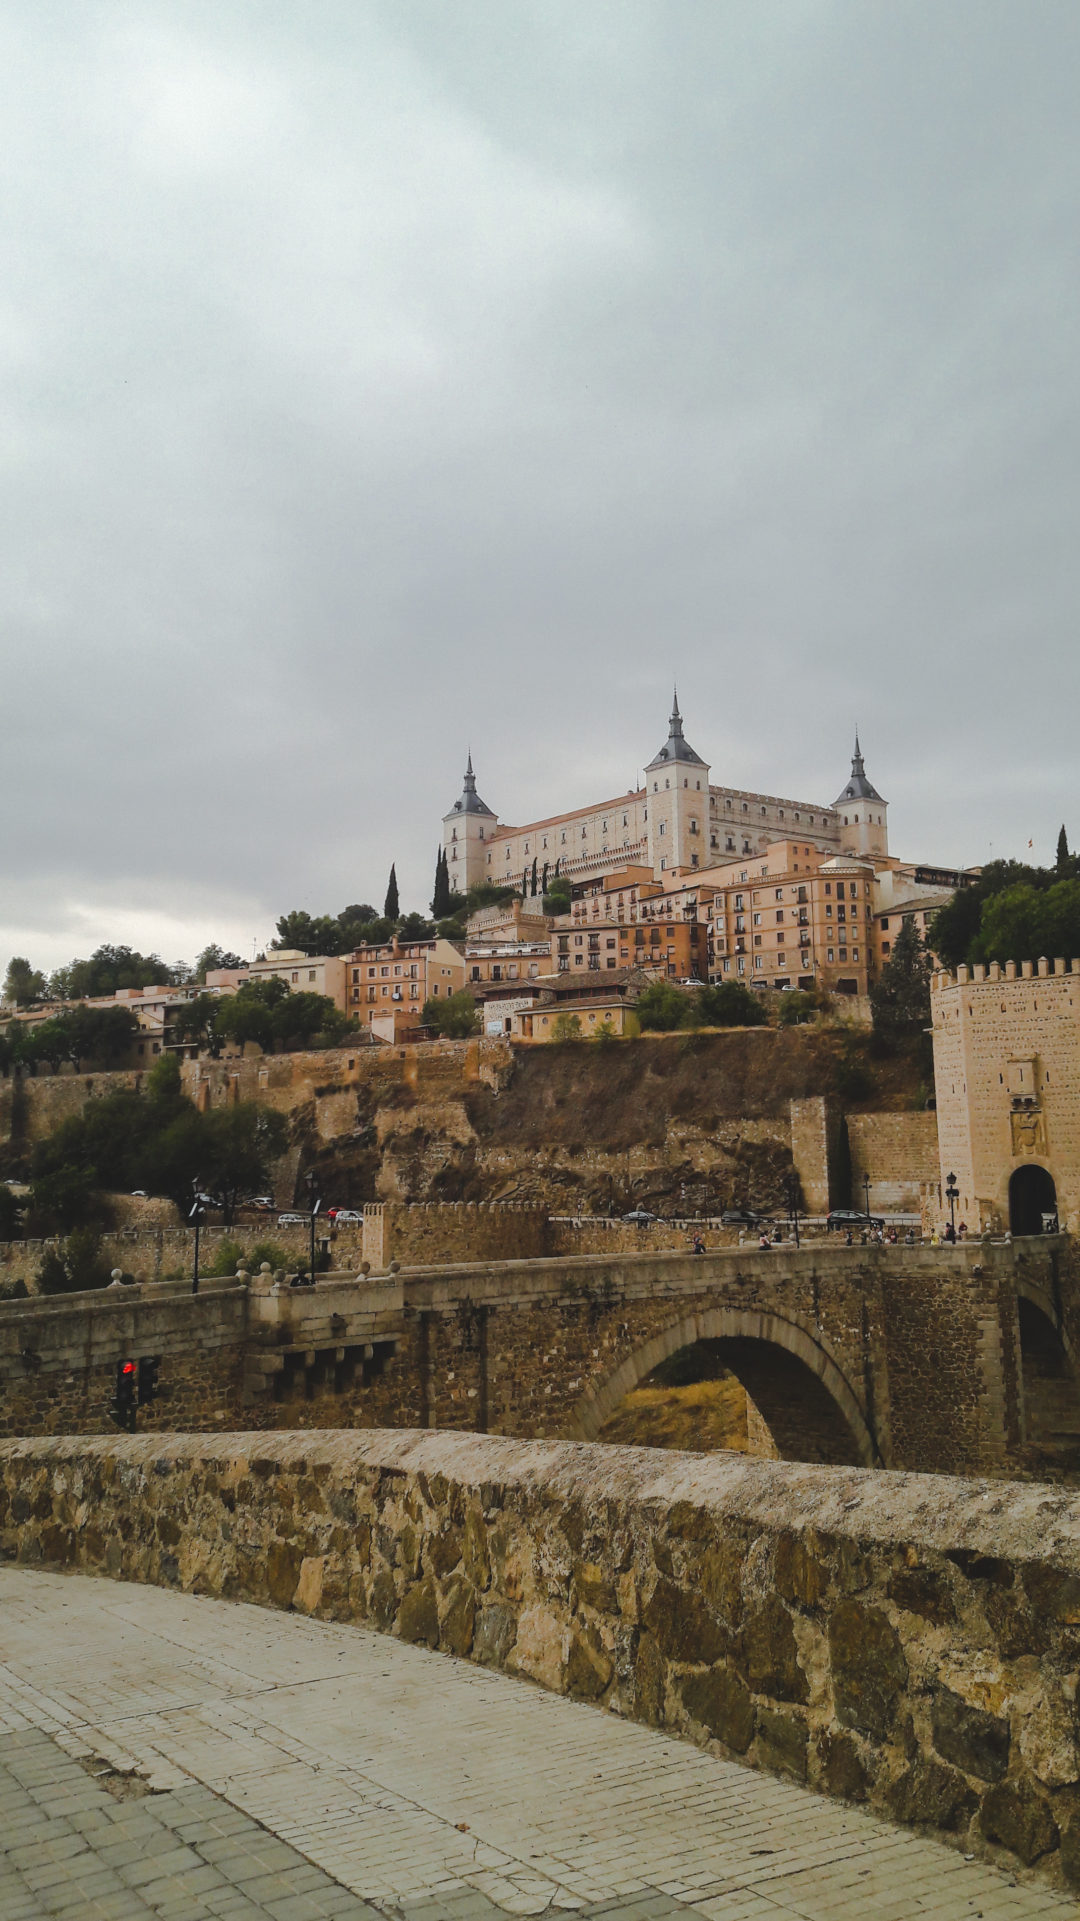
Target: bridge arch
{"x":1048,"y":1370}
{"x":738,"y":1328}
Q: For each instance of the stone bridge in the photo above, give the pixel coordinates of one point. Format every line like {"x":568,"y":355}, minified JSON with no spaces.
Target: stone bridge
{"x":957,"y":1360}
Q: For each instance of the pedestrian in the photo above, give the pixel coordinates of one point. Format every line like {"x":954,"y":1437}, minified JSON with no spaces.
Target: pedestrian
{"x":764,"y":1243}
{"x":698,"y":1244}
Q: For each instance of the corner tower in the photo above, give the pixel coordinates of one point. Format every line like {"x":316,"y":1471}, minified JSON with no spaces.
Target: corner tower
{"x":677,"y":799}
{"x":862,"y":815}
{"x":467,"y":828}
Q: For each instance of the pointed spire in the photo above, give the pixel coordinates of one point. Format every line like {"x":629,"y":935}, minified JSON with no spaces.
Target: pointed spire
{"x":858,"y":787}
{"x":470,"y":802}
{"x":469,"y":775}
{"x":676,"y":748}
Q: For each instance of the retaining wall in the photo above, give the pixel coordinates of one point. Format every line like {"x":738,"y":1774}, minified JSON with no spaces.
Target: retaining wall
{"x":911,"y":1642}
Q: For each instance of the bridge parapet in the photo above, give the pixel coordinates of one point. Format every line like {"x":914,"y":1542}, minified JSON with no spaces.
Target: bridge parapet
{"x":907,"y":1641}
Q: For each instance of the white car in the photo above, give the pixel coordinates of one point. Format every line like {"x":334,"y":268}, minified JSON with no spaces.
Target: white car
{"x":293,"y":1220}
{"x":347,"y":1214}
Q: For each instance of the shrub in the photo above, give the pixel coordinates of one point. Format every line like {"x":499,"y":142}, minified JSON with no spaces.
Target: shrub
{"x":566,"y":1027}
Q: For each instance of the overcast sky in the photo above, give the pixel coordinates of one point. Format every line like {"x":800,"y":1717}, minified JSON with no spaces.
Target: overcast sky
{"x":381,"y":379}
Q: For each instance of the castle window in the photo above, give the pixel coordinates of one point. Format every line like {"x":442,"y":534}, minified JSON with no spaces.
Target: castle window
{"x":828,"y":886}
{"x":667,"y":783}
{"x":663,"y":865}
{"x":884,"y":922}
{"x":663,"y":826}
{"x":829,"y":954}
{"x":856,"y":820}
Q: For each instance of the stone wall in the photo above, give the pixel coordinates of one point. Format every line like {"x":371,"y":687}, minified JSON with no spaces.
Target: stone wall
{"x":907,"y":1643}
{"x":58,"y":1358}
{"x":813,"y":1151}
{"x":427,"y":1233}
{"x":899,"y":1152}
{"x":149,"y":1254}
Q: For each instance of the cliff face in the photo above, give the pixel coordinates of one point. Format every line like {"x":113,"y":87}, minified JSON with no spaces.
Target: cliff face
{"x":698,"y":1121}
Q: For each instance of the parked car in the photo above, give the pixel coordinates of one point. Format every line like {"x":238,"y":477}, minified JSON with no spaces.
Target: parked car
{"x":639,"y":1217}
{"x":139,"y":1194}
{"x":850,"y":1217}
{"x":293,"y":1220}
{"x":741,"y":1217}
{"x":339,"y":1214}
{"x":264,"y":1202}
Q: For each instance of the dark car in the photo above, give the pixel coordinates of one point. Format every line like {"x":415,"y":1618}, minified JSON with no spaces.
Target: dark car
{"x":850,"y":1217}
{"x":741,"y":1217}
{"x":639,"y":1217}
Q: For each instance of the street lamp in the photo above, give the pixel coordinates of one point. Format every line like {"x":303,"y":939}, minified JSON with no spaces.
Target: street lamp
{"x":866,"y":1195}
{"x":952,"y":1195}
{"x":311,"y":1182}
{"x":793,"y":1204}
{"x":196,"y":1215}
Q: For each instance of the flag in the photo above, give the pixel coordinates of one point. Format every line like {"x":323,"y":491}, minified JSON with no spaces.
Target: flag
{"x":1031,"y":843}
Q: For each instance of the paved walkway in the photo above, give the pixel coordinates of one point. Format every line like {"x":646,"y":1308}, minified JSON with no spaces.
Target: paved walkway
{"x":186,"y":1759}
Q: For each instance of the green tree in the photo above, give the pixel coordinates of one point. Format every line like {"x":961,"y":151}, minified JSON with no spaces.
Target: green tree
{"x":900,"y":998}
{"x":795,"y":1008}
{"x":249,"y":1014}
{"x":241,"y":1145}
{"x":566,"y":1027}
{"x":455,"y":1018}
{"x":557,"y":898}
{"x":1063,"y":865}
{"x":77,"y":1268}
{"x":64,"y":1197}
{"x":108,"y":969}
{"x":319,"y":935}
{"x":732,"y":1005}
{"x":415,"y":927}
{"x":392,"y":904}
{"x":605,"y":1033}
{"x":194,"y":1022}
{"x":1024,"y":923}
{"x":440,"y":899}
{"x":662,"y":1008}
{"x":23,"y":984}
{"x":954,"y":931}
{"x":212,"y":959}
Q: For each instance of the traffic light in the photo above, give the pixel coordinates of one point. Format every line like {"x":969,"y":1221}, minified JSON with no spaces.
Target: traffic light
{"x":122,"y":1405}
{"x":148,"y":1378}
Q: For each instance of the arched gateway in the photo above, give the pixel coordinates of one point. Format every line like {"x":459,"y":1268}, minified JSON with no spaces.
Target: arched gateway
{"x":801,"y":1394}
{"x":1032,"y":1199}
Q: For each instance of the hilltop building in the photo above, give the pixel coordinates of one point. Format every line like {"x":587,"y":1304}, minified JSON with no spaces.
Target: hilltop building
{"x":677,"y":821}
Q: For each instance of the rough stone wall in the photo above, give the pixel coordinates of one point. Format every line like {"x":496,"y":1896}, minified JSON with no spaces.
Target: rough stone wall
{"x":58,"y":1359}
{"x":899,"y":1152}
{"x":425,"y":1233}
{"x":813,"y":1149}
{"x":907,"y":1643}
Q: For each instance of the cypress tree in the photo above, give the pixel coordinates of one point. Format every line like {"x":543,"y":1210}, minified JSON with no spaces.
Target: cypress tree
{"x":534,"y":876}
{"x":1063,"y":859}
{"x":392,"y":904}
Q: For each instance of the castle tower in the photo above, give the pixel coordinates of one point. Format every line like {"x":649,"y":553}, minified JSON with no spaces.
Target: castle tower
{"x":467,"y":828}
{"x":862,"y":815}
{"x":677,"y":799}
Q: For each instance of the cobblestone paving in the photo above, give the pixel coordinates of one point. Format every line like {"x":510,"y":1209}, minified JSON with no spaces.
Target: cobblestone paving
{"x":189,"y":1759}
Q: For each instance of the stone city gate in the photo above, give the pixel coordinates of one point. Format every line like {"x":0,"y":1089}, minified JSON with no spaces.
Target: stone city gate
{"x":928,"y":1358}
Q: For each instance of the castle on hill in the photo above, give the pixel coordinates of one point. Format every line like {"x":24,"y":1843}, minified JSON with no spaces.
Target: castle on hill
{"x":676,"y":822}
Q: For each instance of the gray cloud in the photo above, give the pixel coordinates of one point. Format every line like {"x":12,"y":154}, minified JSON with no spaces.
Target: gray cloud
{"x":377,"y":379}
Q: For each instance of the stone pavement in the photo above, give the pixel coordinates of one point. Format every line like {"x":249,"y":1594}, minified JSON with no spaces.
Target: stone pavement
{"x":192,"y":1759}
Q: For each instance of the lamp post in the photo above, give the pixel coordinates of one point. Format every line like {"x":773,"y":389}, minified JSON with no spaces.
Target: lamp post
{"x":952,"y":1195}
{"x":196,"y":1216}
{"x":311,"y":1182}
{"x":866,"y":1196}
{"x":793,"y":1204}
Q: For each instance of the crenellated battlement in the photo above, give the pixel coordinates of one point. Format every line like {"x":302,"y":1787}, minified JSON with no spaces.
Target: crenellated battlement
{"x":981,"y":973}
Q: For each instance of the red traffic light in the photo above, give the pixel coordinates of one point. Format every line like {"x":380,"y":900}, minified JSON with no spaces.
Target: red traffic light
{"x":127,"y":1367}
